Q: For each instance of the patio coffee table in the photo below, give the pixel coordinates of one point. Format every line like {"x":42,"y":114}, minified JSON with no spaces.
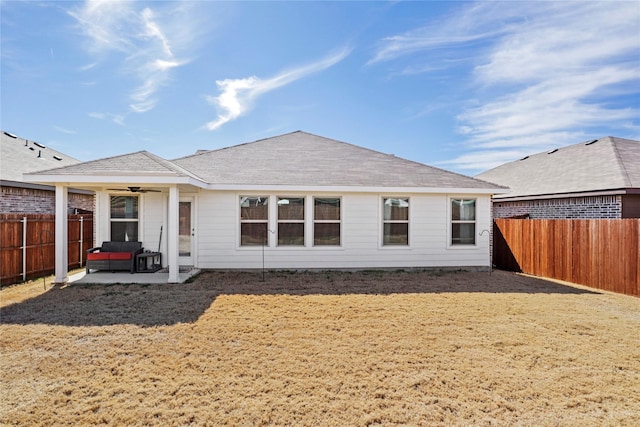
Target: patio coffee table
{"x":143,"y":259}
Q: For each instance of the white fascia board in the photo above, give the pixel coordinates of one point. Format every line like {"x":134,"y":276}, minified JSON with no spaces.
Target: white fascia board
{"x":147,"y":178}
{"x":103,"y":177}
{"x":353,"y":189}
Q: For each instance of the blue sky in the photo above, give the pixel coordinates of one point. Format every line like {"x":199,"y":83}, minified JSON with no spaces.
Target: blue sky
{"x":460,"y":85}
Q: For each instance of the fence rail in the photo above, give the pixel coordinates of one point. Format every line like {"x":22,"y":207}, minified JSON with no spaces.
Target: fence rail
{"x":599,"y":253}
{"x":27,"y":244}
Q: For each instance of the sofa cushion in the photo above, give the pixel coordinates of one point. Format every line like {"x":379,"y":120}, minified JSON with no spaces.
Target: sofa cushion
{"x":119,"y":256}
{"x":96,"y":256}
{"x":130,"y":246}
{"x":111,"y":247}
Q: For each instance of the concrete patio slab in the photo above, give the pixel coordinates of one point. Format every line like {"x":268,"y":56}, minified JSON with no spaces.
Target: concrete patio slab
{"x":107,"y":277}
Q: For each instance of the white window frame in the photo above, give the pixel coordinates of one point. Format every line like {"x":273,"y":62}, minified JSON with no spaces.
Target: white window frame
{"x":383,"y":222}
{"x":252,"y":221}
{"x":320,"y":221}
{"x":451,"y":221}
{"x":136,"y":220}
{"x":302,"y":221}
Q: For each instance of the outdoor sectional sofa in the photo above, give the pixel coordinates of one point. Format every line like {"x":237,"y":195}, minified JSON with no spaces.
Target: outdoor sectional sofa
{"x":114,"y":256}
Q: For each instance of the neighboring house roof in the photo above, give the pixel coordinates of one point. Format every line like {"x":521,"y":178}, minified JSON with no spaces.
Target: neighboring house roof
{"x":606,"y":165}
{"x":293,"y":159}
{"x":19,"y":156}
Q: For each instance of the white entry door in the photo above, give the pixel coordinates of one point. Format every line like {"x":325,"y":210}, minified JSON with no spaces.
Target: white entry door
{"x":186,"y":231}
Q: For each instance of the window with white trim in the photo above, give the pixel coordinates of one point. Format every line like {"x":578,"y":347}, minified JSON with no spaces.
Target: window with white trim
{"x":254,"y":220}
{"x":463,"y":221}
{"x":326,"y":221}
{"x":395,"y":221}
{"x":123,"y":215}
{"x":290,"y":221}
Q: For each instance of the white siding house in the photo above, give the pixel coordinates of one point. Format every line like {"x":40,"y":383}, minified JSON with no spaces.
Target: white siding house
{"x":295,"y":201}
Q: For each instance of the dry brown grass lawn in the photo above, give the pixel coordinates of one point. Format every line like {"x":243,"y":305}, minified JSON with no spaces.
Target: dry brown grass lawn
{"x":335,"y":349}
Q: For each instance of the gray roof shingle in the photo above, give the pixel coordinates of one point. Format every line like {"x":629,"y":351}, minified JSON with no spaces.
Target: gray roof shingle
{"x":293,"y":159}
{"x":301,"y":158}
{"x":140,"y":162}
{"x":19,"y":156}
{"x":609,"y":163}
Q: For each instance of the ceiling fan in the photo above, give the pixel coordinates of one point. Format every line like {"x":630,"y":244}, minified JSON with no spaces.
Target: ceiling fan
{"x":135,"y":190}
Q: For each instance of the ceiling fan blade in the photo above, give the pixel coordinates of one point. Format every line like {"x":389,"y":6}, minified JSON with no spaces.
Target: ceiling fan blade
{"x":135,"y":190}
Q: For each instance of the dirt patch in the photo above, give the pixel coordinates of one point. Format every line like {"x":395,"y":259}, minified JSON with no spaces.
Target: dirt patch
{"x":369,"y":348}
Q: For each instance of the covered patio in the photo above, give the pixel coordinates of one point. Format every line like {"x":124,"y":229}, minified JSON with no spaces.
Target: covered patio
{"x":139,"y":197}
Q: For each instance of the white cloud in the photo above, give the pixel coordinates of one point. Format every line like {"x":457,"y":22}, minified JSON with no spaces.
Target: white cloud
{"x":551,"y":105}
{"x":64,"y":130}
{"x":565,"y":39}
{"x":96,"y":115}
{"x":460,"y":28}
{"x":236,"y":98}
{"x":115,"y":118}
{"x":88,"y":66}
{"x":142,"y":39}
{"x":107,"y":24}
{"x":156,"y":73}
{"x":152,"y":30}
{"x":238,"y":95}
{"x":163,"y":65}
{"x":487,"y":160}
{"x":546,"y":74}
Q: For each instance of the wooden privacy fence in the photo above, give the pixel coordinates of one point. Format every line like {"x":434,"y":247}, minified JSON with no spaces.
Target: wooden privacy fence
{"x":27,"y":244}
{"x":599,"y":253}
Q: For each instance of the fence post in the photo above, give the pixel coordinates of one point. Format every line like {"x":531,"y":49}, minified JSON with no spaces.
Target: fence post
{"x":24,"y":248}
{"x":81,"y":243}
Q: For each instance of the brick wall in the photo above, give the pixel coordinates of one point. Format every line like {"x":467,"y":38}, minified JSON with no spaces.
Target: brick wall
{"x":85,"y":202}
{"x":27,"y":200}
{"x":574,"y":207}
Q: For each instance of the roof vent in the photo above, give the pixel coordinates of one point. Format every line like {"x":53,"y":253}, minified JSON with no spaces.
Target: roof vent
{"x":10,"y":135}
{"x":26,"y":142}
{"x":524,"y":158}
{"x":32,"y":149}
{"x":39,"y":154}
{"x":39,"y":145}
{"x":58,"y":158}
{"x":552,"y":151}
{"x":591,"y":142}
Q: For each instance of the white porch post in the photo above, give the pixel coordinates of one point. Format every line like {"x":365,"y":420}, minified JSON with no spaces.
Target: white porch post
{"x":172,"y":235}
{"x":62,"y":257}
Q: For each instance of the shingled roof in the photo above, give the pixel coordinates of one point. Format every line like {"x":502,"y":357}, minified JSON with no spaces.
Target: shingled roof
{"x":603,"y":165}
{"x":293,"y":159}
{"x":19,"y":156}
{"x":301,"y":158}
{"x":140,"y":162}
